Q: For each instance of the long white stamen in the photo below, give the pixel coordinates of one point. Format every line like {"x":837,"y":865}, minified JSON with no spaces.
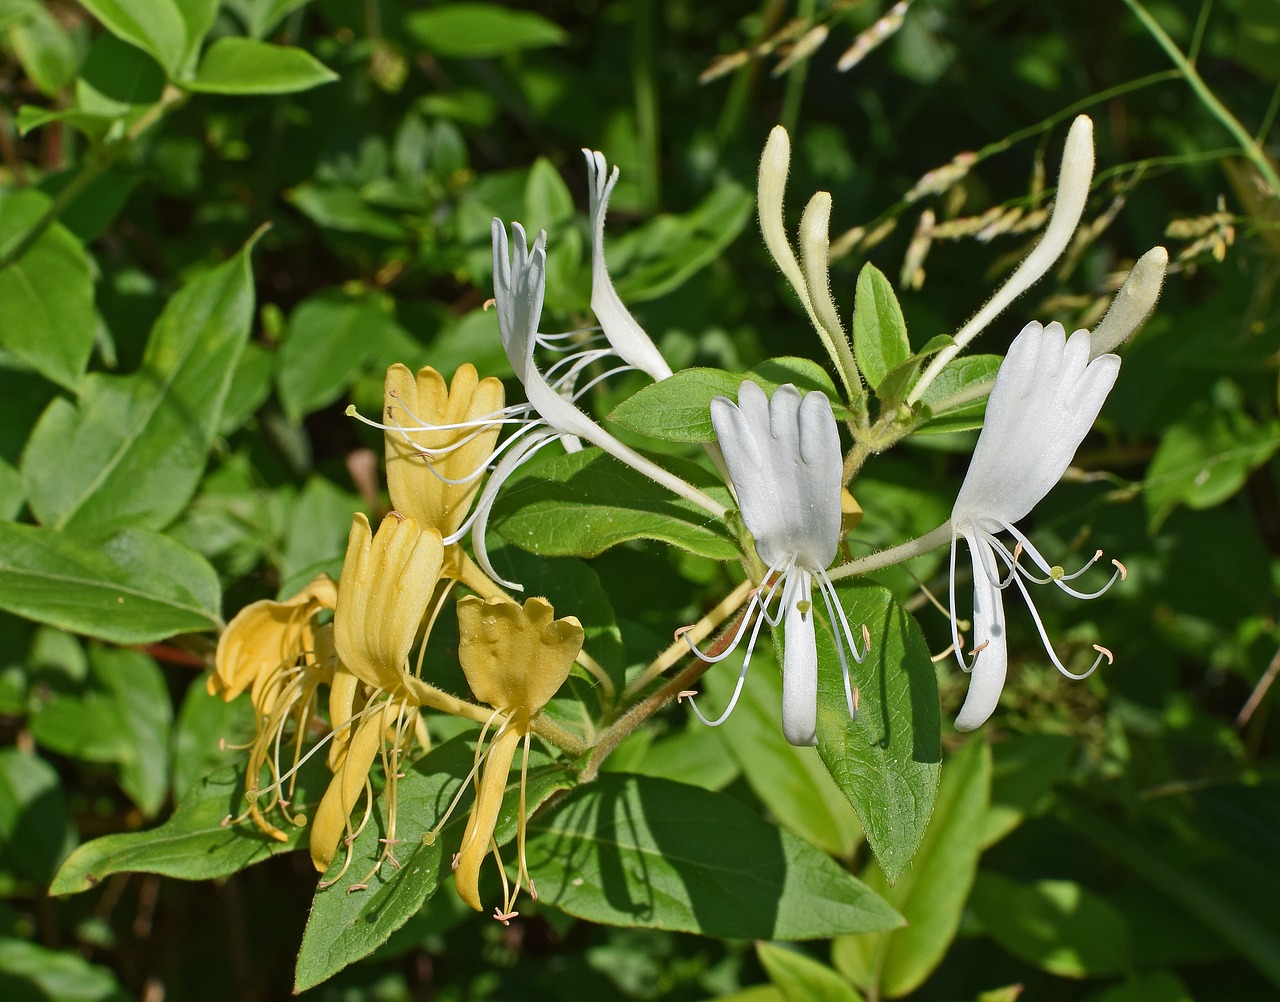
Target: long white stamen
{"x":1048,"y":645}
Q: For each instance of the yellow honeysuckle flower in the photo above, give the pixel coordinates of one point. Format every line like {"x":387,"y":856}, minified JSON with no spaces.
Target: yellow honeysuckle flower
{"x":276,"y":650}
{"x":515,"y":659}
{"x":438,"y":441}
{"x":387,"y":583}
{"x":265,"y":635}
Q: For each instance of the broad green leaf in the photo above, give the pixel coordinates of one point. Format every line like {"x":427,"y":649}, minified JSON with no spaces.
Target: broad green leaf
{"x":1205,"y":458}
{"x":194,"y":844}
{"x":879,"y":332}
{"x":893,"y":387}
{"x":791,"y":782}
{"x":678,"y":409}
{"x":667,"y":251}
{"x":342,"y":207}
{"x":481,"y":30}
{"x":247,"y":66}
{"x":887,"y":761}
{"x":635,"y":851}
{"x":582,"y":503}
{"x":32,"y":973}
{"x":121,"y":715}
{"x":1025,"y":769}
{"x":170,"y":30}
{"x":139,"y":442}
{"x":261,"y":16}
{"x":156,"y":26}
{"x":800,"y":978}
{"x":36,"y":832}
{"x":1056,"y":925}
{"x":207,"y":736}
{"x":329,"y":340}
{"x":693,"y":756}
{"x":347,"y":923}
{"x":318,"y":526}
{"x":46,"y":295}
{"x":931,"y":894}
{"x":118,"y":80}
{"x":957,"y":399}
{"x":46,"y":51}
{"x":133,"y":588}
{"x":250,"y":387}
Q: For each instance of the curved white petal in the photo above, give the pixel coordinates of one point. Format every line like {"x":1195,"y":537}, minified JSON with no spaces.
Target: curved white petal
{"x":783,"y":456}
{"x":991,"y":663}
{"x":799,"y":663}
{"x":1046,"y":397}
{"x":626,"y":336}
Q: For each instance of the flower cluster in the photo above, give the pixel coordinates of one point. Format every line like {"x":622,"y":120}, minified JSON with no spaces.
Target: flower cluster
{"x":450,"y":450}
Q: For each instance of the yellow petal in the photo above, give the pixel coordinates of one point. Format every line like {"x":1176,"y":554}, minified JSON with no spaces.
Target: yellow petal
{"x":410,"y":403}
{"x":265,"y":636}
{"x":516,"y":657}
{"x":385,"y":588}
{"x":484,"y":816}
{"x":330,"y":821}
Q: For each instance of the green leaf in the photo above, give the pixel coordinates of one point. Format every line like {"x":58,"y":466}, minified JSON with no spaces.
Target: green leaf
{"x":1025,"y":769}
{"x":1205,"y":458}
{"x":893,"y":388}
{"x":205,"y":737}
{"x":887,"y":761}
{"x":1156,"y":986}
{"x":46,"y":51}
{"x":481,"y":30}
{"x":341,"y":207}
{"x":133,"y":588}
{"x":801,"y":978}
{"x":330,"y":339}
{"x":29,"y":972}
{"x":347,"y":924}
{"x":957,"y":399}
{"x":170,"y":30}
{"x":247,"y":66}
{"x":121,"y":715}
{"x":194,"y":844}
{"x":582,"y":503}
{"x":139,"y":442}
{"x":667,"y":251}
{"x":261,"y":16}
{"x":879,"y":332}
{"x":635,"y":851}
{"x":931,"y":894}
{"x":1056,"y":925}
{"x":791,"y":782}
{"x":678,"y":409}
{"x":36,"y":832}
{"x":46,"y":296}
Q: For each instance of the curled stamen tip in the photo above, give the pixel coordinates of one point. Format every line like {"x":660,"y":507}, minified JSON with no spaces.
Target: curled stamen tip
{"x":222,"y":744}
{"x":857,"y":694}
{"x":1111,"y":658}
{"x":357,"y":887}
{"x":980,"y":648}
{"x":504,"y":917}
{"x":487,"y":304}
{"x":453,"y":863}
{"x":533,"y":891}
{"x":1124,"y":571}
{"x":1017,"y":551}
{"x":684,"y":694}
{"x":398,"y":516}
{"x":681,"y":631}
{"x":1097,"y":555}
{"x":226,"y":822}
{"x":866,"y":636}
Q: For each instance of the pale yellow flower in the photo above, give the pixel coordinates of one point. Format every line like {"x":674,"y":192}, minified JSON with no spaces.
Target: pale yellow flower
{"x":515,"y":659}
{"x":438,"y":441}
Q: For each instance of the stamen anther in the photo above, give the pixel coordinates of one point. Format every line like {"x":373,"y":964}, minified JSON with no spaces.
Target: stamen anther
{"x":1111,"y":658}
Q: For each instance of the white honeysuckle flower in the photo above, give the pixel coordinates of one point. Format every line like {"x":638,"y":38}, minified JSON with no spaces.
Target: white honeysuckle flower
{"x":785,"y":465}
{"x":627,"y":337}
{"x":519,"y":285}
{"x":1046,"y":397}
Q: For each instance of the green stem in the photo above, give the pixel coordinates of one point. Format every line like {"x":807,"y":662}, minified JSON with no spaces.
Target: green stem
{"x":931,"y":540}
{"x":1215,"y":107}
{"x":98,"y":162}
